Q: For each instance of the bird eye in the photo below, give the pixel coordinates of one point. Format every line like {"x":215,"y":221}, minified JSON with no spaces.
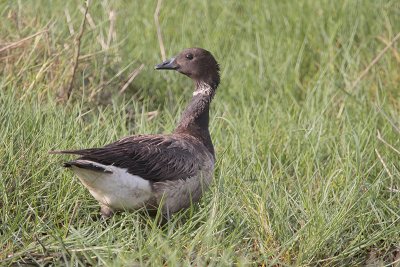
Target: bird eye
{"x":189,"y":56}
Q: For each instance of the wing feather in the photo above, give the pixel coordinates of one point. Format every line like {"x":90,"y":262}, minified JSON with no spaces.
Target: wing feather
{"x":152,"y":157}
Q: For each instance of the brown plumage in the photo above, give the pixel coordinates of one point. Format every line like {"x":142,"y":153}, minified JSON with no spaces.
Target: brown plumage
{"x":152,"y":170}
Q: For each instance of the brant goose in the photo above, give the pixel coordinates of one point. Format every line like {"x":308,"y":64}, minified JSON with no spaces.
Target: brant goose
{"x":170,"y":171}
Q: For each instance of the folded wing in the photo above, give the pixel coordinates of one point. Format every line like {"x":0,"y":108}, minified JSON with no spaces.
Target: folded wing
{"x":153,"y":157}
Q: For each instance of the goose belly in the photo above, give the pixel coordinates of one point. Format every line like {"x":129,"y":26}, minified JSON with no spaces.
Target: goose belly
{"x":180,"y":194}
{"x":116,"y":189}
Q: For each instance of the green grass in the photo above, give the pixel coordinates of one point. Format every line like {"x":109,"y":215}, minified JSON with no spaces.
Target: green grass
{"x":301,"y":179}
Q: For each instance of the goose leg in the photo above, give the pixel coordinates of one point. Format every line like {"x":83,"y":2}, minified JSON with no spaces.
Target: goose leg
{"x":106,"y":212}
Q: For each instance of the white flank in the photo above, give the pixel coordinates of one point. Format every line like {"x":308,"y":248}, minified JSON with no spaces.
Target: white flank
{"x":118,"y":190}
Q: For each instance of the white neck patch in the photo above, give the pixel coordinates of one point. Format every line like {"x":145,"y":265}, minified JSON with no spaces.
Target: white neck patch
{"x":202,"y":89}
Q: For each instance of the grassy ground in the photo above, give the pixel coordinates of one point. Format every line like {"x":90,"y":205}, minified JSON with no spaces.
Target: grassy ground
{"x":308,"y":166}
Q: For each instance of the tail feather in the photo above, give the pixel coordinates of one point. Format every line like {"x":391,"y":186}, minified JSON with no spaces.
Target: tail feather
{"x":86,"y":164}
{"x":73,"y":152}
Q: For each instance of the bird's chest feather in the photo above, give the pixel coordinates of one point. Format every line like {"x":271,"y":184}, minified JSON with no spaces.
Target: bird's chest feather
{"x":179,"y":194}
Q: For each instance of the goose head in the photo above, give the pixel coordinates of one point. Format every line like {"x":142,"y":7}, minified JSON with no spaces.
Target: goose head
{"x":196,"y":63}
